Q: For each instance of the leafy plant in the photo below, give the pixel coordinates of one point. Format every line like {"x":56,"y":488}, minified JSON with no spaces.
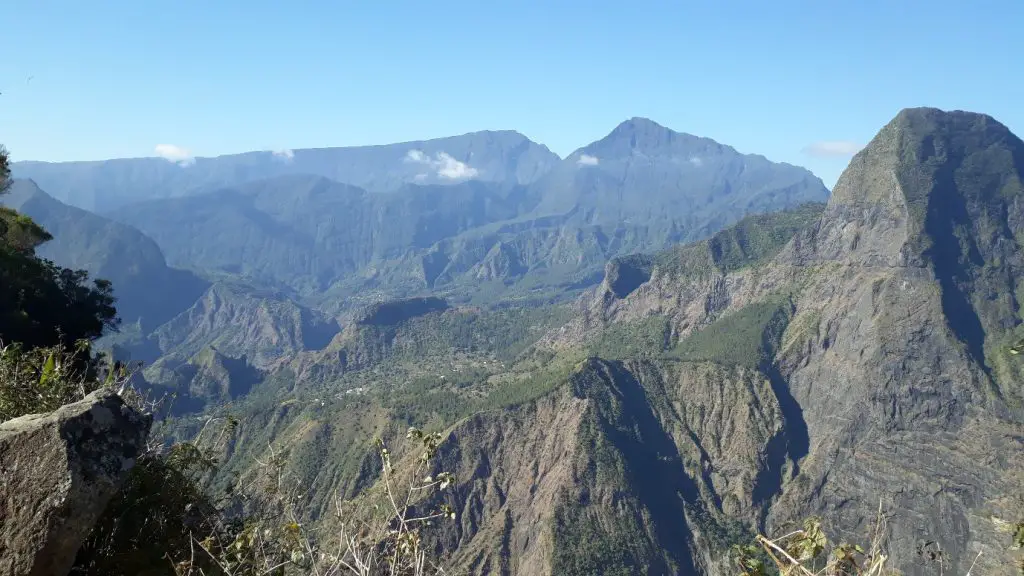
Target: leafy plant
{"x":43,"y":379}
{"x":808,"y":552}
{"x":5,"y":170}
{"x":42,"y":304}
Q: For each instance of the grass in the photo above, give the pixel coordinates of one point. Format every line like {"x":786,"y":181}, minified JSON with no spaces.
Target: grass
{"x":639,"y":338}
{"x":753,"y":240}
{"x":746,"y":337}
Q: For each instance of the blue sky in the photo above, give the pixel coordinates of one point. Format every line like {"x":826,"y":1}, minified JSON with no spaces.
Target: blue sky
{"x":118,"y":78}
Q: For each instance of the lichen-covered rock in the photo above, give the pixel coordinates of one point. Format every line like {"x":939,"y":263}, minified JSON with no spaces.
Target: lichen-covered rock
{"x":57,"y":473}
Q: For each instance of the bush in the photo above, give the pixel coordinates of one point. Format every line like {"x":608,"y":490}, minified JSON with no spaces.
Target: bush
{"x":41,"y":379}
{"x":166,"y":521}
{"x":5,"y":170}
{"x":42,"y":304}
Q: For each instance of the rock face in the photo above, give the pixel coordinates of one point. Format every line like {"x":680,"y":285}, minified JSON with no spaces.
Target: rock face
{"x":820,"y":362}
{"x":57,"y":473}
{"x":860,"y":361}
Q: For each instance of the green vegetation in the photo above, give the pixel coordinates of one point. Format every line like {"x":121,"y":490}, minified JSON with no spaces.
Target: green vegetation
{"x":746,"y":337}
{"x":635,"y":339}
{"x":808,"y":552}
{"x":752,"y":240}
{"x":760,"y":237}
{"x":41,"y":379}
{"x":42,"y":304}
{"x":585,"y":546}
{"x":504,"y":332}
{"x":147,"y":288}
{"x":5,"y":170}
{"x":428,"y":400}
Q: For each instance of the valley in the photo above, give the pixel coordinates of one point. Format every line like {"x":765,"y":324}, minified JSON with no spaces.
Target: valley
{"x":637,"y":356}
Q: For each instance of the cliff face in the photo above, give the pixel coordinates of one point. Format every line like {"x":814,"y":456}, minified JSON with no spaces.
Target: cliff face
{"x":861,"y":362}
{"x":900,"y":367}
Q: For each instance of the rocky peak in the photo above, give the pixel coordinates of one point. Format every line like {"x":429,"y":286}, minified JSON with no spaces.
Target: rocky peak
{"x":930,"y":185}
{"x":922,"y":151}
{"x":650,"y":138}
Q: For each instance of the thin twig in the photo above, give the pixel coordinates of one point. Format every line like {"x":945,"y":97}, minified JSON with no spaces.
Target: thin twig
{"x":766,"y":542}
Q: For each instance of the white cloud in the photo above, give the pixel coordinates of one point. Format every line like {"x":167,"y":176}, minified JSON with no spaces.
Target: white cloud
{"x":176,"y":154}
{"x":284,"y":154}
{"x":832,"y":149}
{"x":443,"y":164}
{"x":421,"y":177}
{"x":452,"y":169}
{"x":696,"y":161}
{"x":587,"y":160}
{"x":416,"y":156}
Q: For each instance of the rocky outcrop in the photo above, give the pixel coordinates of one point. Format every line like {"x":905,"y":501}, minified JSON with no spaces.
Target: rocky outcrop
{"x":57,"y":473}
{"x":816,"y":363}
{"x":892,"y":374}
{"x":857,"y":361}
{"x":624,"y":275}
{"x":398,"y":311}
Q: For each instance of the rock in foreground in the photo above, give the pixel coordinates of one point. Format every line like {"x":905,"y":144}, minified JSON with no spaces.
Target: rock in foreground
{"x":57,"y":473}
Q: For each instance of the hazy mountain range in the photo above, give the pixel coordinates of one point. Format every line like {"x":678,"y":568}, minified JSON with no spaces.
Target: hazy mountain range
{"x":502,"y":156}
{"x":644,"y":352}
{"x":516,"y":218}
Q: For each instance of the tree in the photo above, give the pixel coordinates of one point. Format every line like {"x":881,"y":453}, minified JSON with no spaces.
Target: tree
{"x":42,"y":304}
{"x":5,"y":170}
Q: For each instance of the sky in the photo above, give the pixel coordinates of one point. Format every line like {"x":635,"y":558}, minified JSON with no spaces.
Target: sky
{"x":801,"y":81}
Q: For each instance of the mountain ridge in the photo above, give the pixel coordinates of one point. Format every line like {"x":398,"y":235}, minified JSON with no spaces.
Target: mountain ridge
{"x":551,"y":234}
{"x":148,"y":291}
{"x":105,"y":185}
{"x":794,"y":365}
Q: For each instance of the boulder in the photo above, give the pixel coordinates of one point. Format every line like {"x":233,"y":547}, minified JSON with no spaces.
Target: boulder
{"x":57,"y":473}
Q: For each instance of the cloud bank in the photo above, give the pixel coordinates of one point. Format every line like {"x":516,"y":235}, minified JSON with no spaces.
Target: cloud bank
{"x":832,"y":149}
{"x":587,"y":160}
{"x":177,"y":154}
{"x":443,"y":164}
{"x":284,"y":154}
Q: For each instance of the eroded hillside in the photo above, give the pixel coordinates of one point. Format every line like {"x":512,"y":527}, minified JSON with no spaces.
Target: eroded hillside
{"x":819,"y":362}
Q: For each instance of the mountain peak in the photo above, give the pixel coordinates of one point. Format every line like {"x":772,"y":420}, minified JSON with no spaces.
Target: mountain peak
{"x":938,"y":116}
{"x":641,"y":123}
{"x":931,"y":186}
{"x":647,"y":137}
{"x":643,"y":130}
{"x":920,"y":150}
{"x":965,"y":130}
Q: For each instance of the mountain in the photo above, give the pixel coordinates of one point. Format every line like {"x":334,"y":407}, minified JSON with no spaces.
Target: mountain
{"x":147,"y":290}
{"x":640,"y":189}
{"x":824,"y":361}
{"x":882,"y":330}
{"x":475,"y":240}
{"x":645,"y":173}
{"x":206,"y":379}
{"x":308,"y":232}
{"x":502,"y":156}
{"x":243,"y":322}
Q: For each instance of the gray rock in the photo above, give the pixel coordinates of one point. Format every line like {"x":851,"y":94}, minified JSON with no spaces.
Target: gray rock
{"x":57,"y":473}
